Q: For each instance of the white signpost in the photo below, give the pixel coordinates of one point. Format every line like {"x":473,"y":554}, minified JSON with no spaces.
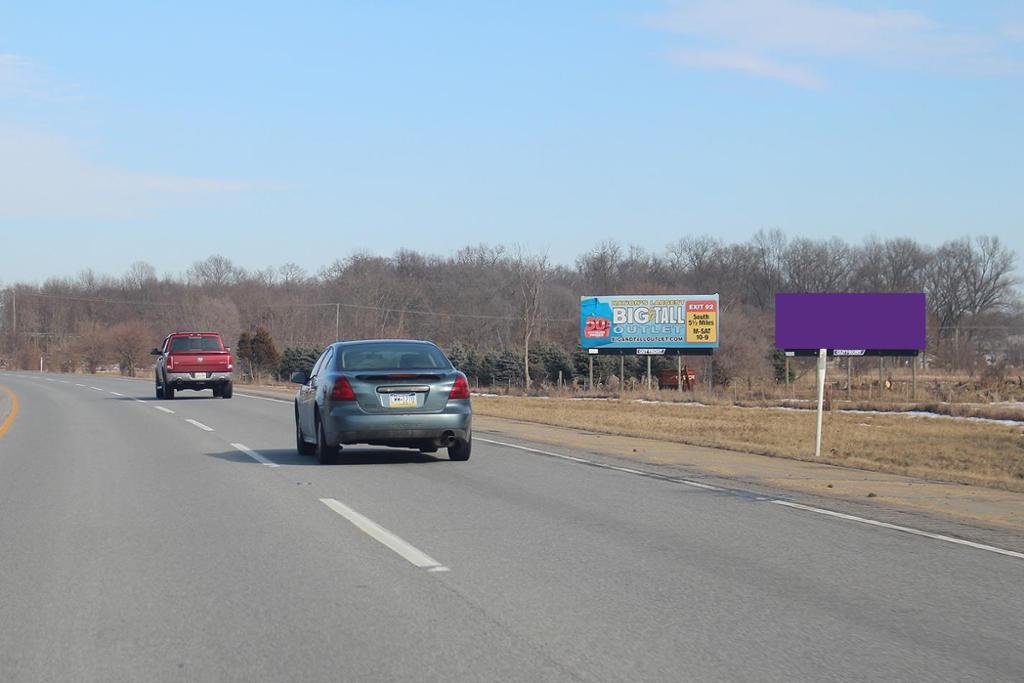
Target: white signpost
{"x":822,"y":364}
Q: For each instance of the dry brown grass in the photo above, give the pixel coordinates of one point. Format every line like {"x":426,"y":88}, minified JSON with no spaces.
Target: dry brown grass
{"x":960,"y":451}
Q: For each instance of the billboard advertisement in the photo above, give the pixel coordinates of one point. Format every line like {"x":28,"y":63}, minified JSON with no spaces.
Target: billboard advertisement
{"x":658,"y":321}
{"x":848,"y":324}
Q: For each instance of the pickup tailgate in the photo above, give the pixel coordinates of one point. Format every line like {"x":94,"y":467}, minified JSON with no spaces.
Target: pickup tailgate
{"x":199,"y":361}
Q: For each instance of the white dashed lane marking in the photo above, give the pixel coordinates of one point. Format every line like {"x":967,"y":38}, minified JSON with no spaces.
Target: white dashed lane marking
{"x":254,"y":455}
{"x":411,"y":553}
{"x":199,"y":424}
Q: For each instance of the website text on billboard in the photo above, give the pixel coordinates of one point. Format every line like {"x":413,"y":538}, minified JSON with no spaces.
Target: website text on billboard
{"x":666,"y":321}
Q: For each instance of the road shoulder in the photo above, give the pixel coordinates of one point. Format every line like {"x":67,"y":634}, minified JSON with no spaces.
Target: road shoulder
{"x":8,"y":403}
{"x":957,"y":509}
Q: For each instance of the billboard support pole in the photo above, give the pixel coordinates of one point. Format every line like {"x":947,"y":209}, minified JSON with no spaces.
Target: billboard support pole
{"x":622,"y":373}
{"x":787,"y":374}
{"x":648,"y":373}
{"x":590,"y":379}
{"x":822,"y":356}
{"x":679,"y":374}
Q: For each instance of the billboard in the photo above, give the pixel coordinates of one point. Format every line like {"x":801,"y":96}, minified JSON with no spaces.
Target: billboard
{"x":851,"y":324}
{"x":641,"y":323}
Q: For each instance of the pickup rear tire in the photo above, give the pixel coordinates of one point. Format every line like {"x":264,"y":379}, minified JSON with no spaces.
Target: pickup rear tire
{"x":168,"y":392}
{"x":226,"y":390}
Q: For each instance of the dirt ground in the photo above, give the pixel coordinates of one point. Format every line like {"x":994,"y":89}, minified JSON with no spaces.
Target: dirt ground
{"x":956,"y":450}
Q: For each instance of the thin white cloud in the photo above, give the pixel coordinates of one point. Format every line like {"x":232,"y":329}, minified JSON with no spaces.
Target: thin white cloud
{"x":16,"y":76}
{"x":44,"y":176}
{"x":748,"y":64}
{"x":793,"y":40}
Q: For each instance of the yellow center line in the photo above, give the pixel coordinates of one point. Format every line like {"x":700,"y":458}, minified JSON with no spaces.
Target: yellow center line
{"x":5,"y":425}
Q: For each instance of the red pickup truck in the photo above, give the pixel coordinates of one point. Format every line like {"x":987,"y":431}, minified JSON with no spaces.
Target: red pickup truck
{"x":193,"y":360}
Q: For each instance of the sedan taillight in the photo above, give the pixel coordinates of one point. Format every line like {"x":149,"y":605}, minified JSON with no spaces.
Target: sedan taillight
{"x":460,"y":389}
{"x":342,"y":390}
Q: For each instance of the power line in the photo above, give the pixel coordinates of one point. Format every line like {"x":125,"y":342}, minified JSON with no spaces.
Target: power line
{"x":65,"y":297}
{"x":379,"y":309}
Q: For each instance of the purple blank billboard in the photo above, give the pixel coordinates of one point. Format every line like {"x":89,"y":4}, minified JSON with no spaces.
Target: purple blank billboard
{"x":850,"y":321}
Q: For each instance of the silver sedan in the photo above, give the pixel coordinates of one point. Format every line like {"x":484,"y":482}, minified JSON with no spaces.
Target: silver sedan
{"x":387,"y":392}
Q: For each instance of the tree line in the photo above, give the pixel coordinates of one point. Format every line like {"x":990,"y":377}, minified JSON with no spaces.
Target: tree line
{"x":509,"y":315}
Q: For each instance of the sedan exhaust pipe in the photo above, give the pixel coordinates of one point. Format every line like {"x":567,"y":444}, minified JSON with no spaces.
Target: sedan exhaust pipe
{"x":447,"y":439}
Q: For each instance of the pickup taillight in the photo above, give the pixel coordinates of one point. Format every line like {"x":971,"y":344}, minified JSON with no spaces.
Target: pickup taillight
{"x":170,"y":361}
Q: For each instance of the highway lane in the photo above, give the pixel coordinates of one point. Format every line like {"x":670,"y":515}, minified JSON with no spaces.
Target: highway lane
{"x":141,"y":545}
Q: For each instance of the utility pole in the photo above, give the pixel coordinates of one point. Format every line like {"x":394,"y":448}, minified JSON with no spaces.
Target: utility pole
{"x":14,"y":309}
{"x":337,"y":322}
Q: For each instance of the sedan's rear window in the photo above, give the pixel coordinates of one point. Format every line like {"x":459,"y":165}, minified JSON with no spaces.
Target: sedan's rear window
{"x":391,"y":356}
{"x":208,"y":343}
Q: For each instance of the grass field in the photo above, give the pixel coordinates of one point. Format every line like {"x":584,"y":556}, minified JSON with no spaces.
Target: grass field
{"x":951,"y":450}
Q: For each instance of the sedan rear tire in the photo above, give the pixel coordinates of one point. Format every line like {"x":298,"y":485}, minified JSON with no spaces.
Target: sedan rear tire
{"x":461,"y":450}
{"x":301,"y":445}
{"x":324,"y":451}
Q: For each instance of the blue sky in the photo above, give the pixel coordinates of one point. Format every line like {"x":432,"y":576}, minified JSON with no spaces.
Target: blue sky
{"x":276,"y":132}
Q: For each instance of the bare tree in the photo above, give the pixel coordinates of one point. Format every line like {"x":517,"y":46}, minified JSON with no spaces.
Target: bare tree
{"x":215,"y":271}
{"x":92,"y":345}
{"x":532,"y":271}
{"x":130,"y":342}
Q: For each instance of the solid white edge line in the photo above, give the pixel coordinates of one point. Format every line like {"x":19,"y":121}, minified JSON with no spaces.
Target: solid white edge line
{"x":602,"y":465}
{"x":254,"y":455}
{"x":264,"y":398}
{"x":786,"y":503}
{"x":904,"y":529}
{"x":409,"y":552}
{"x":166,"y":410}
{"x":199,"y":424}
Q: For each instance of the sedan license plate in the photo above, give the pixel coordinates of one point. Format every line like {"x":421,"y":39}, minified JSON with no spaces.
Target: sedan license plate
{"x":402,"y":400}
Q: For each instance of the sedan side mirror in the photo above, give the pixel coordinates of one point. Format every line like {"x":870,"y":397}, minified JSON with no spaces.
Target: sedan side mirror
{"x":299,"y":377}
{"x":156,"y":352}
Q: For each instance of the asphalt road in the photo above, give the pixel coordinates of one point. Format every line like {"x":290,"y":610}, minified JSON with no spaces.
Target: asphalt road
{"x":136,"y":544}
